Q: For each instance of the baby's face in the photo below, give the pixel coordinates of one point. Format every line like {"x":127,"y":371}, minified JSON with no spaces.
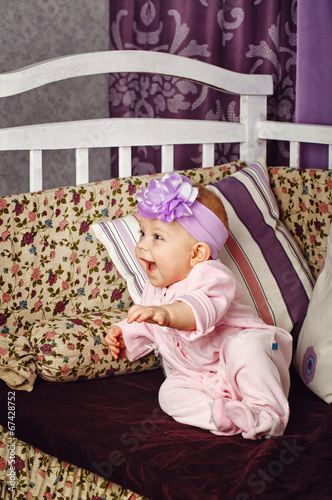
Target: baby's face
{"x":164,"y":251}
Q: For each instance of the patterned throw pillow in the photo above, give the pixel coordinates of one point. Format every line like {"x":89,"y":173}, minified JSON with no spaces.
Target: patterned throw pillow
{"x":73,"y":348}
{"x":314,"y":349}
{"x":260,"y":251}
{"x":119,"y":237}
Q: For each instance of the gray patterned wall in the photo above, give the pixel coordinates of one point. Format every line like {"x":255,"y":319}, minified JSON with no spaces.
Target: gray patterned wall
{"x":35,"y":30}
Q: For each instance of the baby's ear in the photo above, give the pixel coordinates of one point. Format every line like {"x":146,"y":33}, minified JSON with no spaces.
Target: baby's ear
{"x":200,"y":252}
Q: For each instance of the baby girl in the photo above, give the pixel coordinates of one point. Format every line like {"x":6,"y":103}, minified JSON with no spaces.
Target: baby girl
{"x":226,"y":370}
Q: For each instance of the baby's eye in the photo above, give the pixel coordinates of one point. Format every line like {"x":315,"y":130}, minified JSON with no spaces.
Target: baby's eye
{"x":141,"y":233}
{"x":158,"y":237}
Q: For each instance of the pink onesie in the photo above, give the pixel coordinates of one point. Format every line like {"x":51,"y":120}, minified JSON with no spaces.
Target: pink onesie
{"x":231,"y":374}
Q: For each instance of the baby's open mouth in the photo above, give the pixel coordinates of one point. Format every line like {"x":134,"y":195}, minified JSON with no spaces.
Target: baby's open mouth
{"x":151,"y":266}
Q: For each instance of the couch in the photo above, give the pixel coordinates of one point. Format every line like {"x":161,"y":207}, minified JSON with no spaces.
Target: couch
{"x":87,"y":426}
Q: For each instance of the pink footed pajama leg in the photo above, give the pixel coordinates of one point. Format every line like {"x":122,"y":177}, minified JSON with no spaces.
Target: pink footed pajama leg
{"x":260,"y":382}
{"x":183,"y":399}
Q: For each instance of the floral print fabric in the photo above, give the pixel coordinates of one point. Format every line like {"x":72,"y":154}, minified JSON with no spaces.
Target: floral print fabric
{"x":73,"y":348}
{"x":305,"y":203}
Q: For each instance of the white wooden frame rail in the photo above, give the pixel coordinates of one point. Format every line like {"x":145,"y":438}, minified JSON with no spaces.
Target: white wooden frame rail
{"x":251,"y":132}
{"x":296,"y":133}
{"x":127,"y":132}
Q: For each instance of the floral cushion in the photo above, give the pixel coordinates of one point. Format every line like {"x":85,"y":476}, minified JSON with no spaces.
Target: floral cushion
{"x":53,"y":267}
{"x":73,"y":348}
{"x":305,"y":203}
{"x":67,"y":349}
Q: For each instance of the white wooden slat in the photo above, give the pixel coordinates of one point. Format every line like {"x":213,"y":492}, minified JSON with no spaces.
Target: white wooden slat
{"x":36,"y":172}
{"x":119,"y":61}
{"x":252,"y":110}
{"x":285,"y":131}
{"x":330,"y":157}
{"x":294,"y":154}
{"x":167,"y":158}
{"x":207,"y":155}
{"x":125,"y":161}
{"x":114,"y":132}
{"x":82,"y":165}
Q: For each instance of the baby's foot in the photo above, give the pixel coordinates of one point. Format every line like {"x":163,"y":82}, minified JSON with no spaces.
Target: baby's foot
{"x":253,"y":421}
{"x":224,"y":424}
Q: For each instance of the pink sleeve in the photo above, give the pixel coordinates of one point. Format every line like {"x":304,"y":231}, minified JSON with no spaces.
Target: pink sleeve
{"x":138,"y":339}
{"x":209,"y":292}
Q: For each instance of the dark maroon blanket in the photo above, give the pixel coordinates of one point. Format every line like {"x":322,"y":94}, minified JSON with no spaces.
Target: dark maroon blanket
{"x":115,"y":428}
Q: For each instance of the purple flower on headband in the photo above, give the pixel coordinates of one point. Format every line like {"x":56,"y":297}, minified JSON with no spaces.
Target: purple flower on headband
{"x":167,"y":198}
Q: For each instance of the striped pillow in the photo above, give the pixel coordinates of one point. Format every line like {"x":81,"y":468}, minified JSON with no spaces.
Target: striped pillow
{"x":119,"y":237}
{"x":261,"y":252}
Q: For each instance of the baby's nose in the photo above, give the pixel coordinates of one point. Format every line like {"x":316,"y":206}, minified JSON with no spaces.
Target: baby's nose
{"x":141,"y":245}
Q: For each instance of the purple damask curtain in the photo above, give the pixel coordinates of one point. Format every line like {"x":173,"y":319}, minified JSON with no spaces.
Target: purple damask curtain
{"x":314,"y":74}
{"x":240,"y":35}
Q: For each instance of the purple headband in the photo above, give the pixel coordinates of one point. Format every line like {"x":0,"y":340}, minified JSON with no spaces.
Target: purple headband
{"x":174,"y":198}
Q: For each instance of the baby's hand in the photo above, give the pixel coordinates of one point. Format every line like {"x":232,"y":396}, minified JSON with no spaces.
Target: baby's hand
{"x":115,"y":341}
{"x":150,"y":314}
